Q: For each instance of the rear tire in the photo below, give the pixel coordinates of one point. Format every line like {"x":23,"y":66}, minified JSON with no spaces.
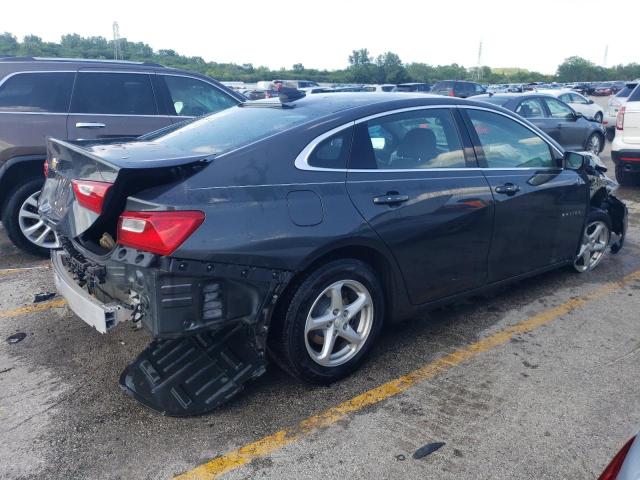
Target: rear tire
{"x":312,"y":338}
{"x":12,"y":212}
{"x":624,"y":178}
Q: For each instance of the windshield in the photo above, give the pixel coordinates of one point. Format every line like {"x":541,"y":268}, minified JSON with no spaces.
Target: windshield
{"x":229,"y":129}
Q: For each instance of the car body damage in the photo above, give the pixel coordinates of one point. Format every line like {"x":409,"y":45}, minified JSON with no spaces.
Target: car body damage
{"x":209,"y":321}
{"x":601,"y":189}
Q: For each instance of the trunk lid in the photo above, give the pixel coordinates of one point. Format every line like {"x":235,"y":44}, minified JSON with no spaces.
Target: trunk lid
{"x":130,"y":167}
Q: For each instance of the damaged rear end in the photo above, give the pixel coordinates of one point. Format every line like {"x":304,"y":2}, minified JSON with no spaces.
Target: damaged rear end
{"x":118,"y":263}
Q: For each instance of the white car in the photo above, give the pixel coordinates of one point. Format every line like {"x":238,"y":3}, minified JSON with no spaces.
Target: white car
{"x":385,"y":87}
{"x":579,"y":103}
{"x":625,"y":149}
{"x":614,"y":105}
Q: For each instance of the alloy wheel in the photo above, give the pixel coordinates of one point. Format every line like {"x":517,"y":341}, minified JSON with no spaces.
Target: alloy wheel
{"x":594,"y":144}
{"x":339,"y":323}
{"x":594,"y":243}
{"x":32,"y":227}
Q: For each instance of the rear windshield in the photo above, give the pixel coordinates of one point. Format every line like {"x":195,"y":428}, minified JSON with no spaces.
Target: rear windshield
{"x":229,"y":129}
{"x":493,"y":99}
{"x":634,"y":96}
{"x":626,"y":90}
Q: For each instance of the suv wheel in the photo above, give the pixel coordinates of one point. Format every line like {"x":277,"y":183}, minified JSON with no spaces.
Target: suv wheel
{"x":624,"y":178}
{"x":329,"y":324}
{"x":22,"y":223}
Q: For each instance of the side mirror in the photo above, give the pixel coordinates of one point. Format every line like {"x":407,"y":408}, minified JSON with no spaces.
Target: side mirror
{"x":574,"y":161}
{"x":577,"y":115}
{"x":590,"y":102}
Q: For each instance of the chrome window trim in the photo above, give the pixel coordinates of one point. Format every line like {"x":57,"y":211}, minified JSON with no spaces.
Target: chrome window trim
{"x":301,"y":161}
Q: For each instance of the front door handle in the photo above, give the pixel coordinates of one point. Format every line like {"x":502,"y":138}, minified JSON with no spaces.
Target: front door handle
{"x":90,"y":125}
{"x":391,"y":198}
{"x":507,"y":189}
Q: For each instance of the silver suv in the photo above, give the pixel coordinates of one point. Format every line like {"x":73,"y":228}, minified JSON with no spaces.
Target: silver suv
{"x":82,"y":99}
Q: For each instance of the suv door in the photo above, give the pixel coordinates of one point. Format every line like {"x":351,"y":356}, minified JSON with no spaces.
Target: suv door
{"x":182,"y":97}
{"x":568,"y":130}
{"x":409,"y":177}
{"x":109,"y":104}
{"x":539,"y":207}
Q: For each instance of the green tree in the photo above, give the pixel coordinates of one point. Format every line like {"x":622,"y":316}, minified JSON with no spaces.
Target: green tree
{"x":8,"y":44}
{"x":575,"y":69}
{"x":390,"y":68}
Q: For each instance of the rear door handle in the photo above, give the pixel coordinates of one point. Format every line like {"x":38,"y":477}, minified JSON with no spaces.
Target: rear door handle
{"x":391,"y":198}
{"x":90,"y":125}
{"x":507,"y":189}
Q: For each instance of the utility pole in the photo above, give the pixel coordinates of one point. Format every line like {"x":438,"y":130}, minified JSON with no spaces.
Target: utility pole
{"x":478,"y":71}
{"x":606,"y":56}
{"x":117,"y":54}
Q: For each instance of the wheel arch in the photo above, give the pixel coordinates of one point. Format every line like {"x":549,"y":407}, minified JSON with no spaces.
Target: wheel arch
{"x":18,"y":170}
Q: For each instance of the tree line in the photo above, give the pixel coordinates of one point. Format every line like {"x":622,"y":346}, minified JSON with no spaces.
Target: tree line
{"x":362,"y":66}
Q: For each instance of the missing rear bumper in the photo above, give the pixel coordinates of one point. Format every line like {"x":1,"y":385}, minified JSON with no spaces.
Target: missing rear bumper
{"x":196,"y":374}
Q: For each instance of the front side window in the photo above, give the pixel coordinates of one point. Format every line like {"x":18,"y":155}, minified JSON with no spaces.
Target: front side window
{"x":575,"y":98}
{"x":508,"y":144}
{"x":420,"y":139}
{"x":113,"y":94}
{"x":530,"y":108}
{"x":37,"y":92}
{"x":191,"y":97}
{"x":557,"y":109}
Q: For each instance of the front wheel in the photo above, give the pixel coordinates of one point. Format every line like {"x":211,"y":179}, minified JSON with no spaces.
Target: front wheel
{"x":326,"y":328}
{"x":595,"y":240}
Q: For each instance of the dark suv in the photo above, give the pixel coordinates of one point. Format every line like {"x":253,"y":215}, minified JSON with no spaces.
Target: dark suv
{"x":458,"y":88}
{"x":82,"y":99}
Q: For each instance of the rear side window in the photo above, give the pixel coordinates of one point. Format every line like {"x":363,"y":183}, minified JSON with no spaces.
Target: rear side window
{"x":422,"y":139}
{"x":37,"y":92}
{"x":332,"y":152}
{"x":113,"y":94}
{"x":557,"y":109}
{"x":530,"y":108}
{"x":508,"y":144}
{"x":191,"y":97}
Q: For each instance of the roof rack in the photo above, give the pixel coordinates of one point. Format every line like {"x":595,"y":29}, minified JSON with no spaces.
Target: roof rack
{"x":63,"y":59}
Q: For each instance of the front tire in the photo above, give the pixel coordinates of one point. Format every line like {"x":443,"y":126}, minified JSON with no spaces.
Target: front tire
{"x":22,"y":223}
{"x":594,"y":243}
{"x":325,"y":328}
{"x":598,"y":117}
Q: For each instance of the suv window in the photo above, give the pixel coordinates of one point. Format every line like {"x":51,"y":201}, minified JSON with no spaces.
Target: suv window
{"x":114,"y":94}
{"x":332,"y":152}
{"x":508,"y":144}
{"x":412,"y":140}
{"x":557,"y":109}
{"x":478,"y":88}
{"x":634,"y":96}
{"x":37,"y":92}
{"x":191,"y":97}
{"x":530,"y":108}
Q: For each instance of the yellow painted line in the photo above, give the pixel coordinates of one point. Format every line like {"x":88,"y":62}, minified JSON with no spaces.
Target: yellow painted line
{"x":10,"y":271}
{"x":271,"y":443}
{"x":36,"y":307}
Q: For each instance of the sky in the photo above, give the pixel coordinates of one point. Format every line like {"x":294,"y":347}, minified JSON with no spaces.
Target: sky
{"x":536,"y":35}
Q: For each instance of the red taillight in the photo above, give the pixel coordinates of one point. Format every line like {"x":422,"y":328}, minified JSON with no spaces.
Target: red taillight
{"x":45,"y":168}
{"x":612,"y":470}
{"x":620,"y":119}
{"x":451,"y":93}
{"x":157,"y":232}
{"x":91,"y":194}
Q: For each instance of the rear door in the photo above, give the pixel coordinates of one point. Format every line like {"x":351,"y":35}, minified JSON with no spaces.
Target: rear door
{"x":182,"y":97}
{"x":539,"y":206}
{"x":109,"y":104}
{"x":413,"y":180}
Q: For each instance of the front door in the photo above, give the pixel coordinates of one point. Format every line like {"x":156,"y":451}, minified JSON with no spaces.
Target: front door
{"x":539,"y":207}
{"x":113,"y":105}
{"x":409,"y":178}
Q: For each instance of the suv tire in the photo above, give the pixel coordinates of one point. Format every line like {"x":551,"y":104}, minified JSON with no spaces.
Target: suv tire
{"x":11,"y":214}
{"x":624,"y":178}
{"x":297,"y":348}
